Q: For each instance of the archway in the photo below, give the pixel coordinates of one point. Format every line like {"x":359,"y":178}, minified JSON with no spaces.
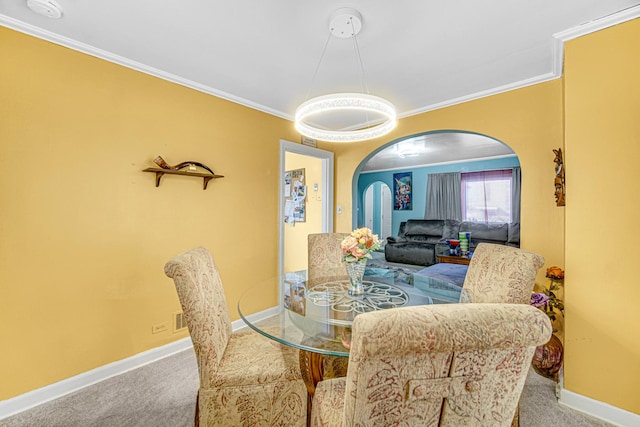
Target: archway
{"x":378,"y":209}
{"x":422,"y":154}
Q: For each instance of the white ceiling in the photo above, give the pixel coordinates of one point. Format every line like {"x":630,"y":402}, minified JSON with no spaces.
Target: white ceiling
{"x":436,"y":148}
{"x":420,"y":55}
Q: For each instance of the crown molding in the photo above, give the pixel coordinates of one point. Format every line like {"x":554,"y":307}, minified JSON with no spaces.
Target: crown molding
{"x":557,"y":65}
{"x":482,"y":94}
{"x":31,"y":30}
{"x":599,"y":24}
{"x":588,"y":28}
{"x":558,"y":59}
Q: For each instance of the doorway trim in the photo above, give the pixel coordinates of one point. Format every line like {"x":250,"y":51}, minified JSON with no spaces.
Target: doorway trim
{"x":326,"y":193}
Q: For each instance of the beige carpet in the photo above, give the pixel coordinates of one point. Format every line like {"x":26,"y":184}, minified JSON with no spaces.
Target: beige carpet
{"x":162,"y":394}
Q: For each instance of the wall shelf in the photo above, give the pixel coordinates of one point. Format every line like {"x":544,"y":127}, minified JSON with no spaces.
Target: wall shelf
{"x":206,"y":177}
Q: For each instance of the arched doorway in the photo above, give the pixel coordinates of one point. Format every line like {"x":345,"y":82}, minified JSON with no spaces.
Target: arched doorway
{"x":422,"y":154}
{"x":378,"y":209}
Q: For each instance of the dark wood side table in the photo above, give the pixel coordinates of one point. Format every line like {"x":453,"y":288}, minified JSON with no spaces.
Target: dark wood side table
{"x":454,"y":259}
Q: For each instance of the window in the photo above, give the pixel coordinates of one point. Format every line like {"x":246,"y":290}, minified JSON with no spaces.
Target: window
{"x":486,"y":196}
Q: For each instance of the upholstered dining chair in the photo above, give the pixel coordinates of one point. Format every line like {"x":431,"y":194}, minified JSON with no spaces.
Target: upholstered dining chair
{"x":245,"y":379}
{"x":434,"y":365}
{"x":500,"y":274}
{"x":325,"y":258}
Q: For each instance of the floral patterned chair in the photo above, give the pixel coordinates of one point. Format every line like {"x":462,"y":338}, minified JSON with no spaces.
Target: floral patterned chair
{"x":501,"y":274}
{"x":245,"y":379}
{"x":325,"y":258}
{"x":434,"y":365}
{"x":324,"y":265}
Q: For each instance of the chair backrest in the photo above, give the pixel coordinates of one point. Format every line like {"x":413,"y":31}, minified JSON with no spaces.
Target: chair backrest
{"x":501,"y":274}
{"x":204,"y":306}
{"x":325,"y":258}
{"x":442,"y":364}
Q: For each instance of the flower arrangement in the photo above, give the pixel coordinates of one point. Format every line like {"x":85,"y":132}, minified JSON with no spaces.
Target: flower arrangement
{"x":547,"y":300}
{"x":358,"y":245}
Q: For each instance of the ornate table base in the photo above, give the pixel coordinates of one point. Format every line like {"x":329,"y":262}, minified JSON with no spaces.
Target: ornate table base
{"x":315,"y":367}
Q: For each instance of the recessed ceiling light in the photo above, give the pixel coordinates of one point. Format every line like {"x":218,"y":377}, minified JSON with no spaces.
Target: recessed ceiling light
{"x":48,"y":8}
{"x":404,"y":154}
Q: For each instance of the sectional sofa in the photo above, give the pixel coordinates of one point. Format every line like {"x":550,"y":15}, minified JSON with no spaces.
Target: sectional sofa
{"x":420,"y":240}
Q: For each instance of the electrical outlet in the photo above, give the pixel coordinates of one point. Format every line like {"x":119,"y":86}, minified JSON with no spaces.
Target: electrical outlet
{"x":160,"y":327}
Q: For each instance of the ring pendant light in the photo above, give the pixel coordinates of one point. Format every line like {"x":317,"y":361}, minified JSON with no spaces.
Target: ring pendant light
{"x":345,"y":23}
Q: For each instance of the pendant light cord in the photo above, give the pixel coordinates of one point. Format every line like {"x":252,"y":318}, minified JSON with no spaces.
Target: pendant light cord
{"x":363,"y":84}
{"x":313,"y":79}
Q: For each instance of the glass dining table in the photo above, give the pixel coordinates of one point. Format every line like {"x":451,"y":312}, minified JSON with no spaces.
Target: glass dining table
{"x":317,"y":318}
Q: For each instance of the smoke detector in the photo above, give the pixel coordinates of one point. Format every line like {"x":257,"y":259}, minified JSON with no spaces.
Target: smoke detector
{"x":48,"y":8}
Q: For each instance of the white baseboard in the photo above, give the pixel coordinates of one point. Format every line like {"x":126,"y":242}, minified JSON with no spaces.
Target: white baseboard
{"x":601,"y":410}
{"x":53,"y":391}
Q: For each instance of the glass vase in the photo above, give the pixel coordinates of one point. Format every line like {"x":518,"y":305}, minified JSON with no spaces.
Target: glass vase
{"x":355,"y":271}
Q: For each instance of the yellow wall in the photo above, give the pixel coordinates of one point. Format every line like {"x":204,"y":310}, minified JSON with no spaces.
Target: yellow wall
{"x":529,"y":120}
{"x":601,"y":158}
{"x":602,"y":172}
{"x":84,"y":234}
{"x":295,"y":236}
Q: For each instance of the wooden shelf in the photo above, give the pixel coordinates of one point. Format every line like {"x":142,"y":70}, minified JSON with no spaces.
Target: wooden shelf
{"x":206,"y":177}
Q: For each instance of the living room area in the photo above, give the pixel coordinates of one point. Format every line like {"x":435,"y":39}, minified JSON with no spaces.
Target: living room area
{"x":421,"y":194}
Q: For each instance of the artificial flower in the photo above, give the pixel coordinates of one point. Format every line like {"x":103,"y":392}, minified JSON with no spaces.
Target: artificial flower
{"x":359,"y":244}
{"x":547,"y":300}
{"x":555,"y":273}
{"x":539,"y":299}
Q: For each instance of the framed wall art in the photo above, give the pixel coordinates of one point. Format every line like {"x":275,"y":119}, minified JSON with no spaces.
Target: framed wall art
{"x":403,"y":196}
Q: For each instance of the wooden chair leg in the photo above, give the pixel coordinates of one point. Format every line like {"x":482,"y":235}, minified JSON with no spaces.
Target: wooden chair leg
{"x":196,"y":421}
{"x":516,"y":417}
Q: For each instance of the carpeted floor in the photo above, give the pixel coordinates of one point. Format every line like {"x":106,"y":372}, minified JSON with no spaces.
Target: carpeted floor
{"x":162,"y":394}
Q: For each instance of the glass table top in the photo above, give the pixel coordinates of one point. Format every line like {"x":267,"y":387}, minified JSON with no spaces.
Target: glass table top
{"x":316,"y":318}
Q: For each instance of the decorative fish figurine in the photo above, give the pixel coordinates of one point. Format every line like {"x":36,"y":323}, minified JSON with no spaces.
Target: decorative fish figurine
{"x":164,"y":165}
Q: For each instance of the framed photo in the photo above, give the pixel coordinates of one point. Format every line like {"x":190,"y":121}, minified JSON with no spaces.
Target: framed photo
{"x":403,"y":197}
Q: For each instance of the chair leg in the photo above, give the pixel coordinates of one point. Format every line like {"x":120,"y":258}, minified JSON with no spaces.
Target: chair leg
{"x":516,"y":417}
{"x":196,"y":421}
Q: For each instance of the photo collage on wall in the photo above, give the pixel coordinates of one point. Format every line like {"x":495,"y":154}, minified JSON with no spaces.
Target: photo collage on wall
{"x":295,"y":193}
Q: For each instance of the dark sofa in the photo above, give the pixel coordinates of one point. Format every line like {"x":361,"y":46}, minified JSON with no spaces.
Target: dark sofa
{"x":420,"y":240}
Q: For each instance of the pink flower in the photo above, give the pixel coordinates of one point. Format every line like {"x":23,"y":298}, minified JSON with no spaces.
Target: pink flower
{"x":348,"y":244}
{"x":358,"y":252}
{"x":359,"y":244}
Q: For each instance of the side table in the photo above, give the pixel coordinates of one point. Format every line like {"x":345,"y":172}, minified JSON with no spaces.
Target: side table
{"x":454,"y":259}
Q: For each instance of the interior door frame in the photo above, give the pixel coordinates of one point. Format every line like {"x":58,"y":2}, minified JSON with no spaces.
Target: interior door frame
{"x":326,"y":193}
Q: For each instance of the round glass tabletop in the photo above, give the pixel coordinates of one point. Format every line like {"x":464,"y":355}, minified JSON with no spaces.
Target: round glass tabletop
{"x":318,"y":319}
